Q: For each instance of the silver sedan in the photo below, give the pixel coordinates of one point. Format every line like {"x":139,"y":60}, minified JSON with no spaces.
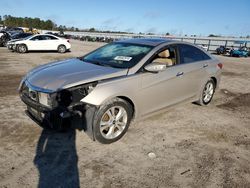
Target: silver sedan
{"x":123,"y":81}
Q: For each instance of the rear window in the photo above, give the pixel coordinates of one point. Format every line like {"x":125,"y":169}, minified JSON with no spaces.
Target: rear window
{"x":190,"y":54}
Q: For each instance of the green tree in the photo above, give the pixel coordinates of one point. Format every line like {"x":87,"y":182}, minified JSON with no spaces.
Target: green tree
{"x":92,"y":29}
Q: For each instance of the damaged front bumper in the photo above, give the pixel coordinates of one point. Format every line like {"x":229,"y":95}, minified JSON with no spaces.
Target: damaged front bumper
{"x":79,"y":116}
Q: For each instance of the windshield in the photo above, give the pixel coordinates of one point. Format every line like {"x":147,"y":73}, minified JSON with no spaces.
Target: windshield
{"x":119,"y":55}
{"x":27,"y":37}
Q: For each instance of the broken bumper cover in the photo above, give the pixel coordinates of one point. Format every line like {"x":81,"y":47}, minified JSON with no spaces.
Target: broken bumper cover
{"x":80,"y":116}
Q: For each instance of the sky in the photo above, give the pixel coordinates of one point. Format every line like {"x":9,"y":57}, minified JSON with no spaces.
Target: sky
{"x":177,"y":17}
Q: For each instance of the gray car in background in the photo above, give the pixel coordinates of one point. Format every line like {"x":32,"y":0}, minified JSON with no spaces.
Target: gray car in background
{"x":104,"y":90}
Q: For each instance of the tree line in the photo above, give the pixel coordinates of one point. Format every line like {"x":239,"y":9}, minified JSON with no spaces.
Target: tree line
{"x":12,"y":21}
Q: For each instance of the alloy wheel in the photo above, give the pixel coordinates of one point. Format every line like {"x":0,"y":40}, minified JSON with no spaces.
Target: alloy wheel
{"x":208,"y":92}
{"x":113,"y":122}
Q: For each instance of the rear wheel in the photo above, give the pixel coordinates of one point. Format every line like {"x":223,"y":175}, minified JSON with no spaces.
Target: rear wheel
{"x":22,"y":48}
{"x":112,"y":121}
{"x":61,"y":49}
{"x":207,"y":93}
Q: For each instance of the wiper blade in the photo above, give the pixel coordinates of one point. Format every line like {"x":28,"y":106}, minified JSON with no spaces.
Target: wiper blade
{"x":80,"y":58}
{"x":92,"y":61}
{"x":97,"y":62}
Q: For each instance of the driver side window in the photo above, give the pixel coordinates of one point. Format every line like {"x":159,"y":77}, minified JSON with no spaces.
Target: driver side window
{"x":36,"y":38}
{"x":167,"y":56}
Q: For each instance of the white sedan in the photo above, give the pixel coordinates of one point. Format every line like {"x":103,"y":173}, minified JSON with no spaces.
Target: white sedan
{"x":42,"y":42}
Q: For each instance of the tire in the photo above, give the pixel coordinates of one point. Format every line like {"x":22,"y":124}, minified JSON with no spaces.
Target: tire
{"x":207,"y":94}
{"x":61,"y":49}
{"x":106,"y":128}
{"x":4,"y":43}
{"x":22,"y":48}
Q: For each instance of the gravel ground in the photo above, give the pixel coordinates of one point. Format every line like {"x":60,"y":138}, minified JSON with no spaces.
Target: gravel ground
{"x":187,"y":146}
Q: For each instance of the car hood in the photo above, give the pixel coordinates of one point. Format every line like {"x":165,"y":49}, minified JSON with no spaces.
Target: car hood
{"x":15,"y":40}
{"x":69,"y":73}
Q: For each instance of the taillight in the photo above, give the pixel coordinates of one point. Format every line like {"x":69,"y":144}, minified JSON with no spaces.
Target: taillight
{"x":220,"y":65}
{"x":68,"y":41}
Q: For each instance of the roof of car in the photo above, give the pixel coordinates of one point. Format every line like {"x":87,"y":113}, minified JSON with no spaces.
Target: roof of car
{"x":147,"y":41}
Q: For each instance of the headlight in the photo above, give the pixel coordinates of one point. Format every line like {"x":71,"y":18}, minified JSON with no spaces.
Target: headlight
{"x":82,"y":91}
{"x":75,"y":94}
{"x":47,"y":99}
{"x":44,"y":98}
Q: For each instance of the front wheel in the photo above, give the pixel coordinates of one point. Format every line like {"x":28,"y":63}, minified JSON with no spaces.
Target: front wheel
{"x":22,"y":48}
{"x":207,"y":93}
{"x":112,"y":121}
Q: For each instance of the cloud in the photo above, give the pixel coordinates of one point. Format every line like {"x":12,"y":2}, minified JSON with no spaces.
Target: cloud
{"x":176,"y":31}
{"x":109,"y":21}
{"x":227,"y":27}
{"x":151,"y":30}
{"x":9,"y":7}
{"x":6,"y":4}
{"x":130,"y":30}
{"x":111,"y":24}
{"x":54,"y":17}
{"x":152,"y":15}
{"x":200,"y":22}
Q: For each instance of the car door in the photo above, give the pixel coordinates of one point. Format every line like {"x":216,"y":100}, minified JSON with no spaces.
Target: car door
{"x":193,"y":64}
{"x":35,"y":43}
{"x":162,"y":89}
{"x":50,"y":43}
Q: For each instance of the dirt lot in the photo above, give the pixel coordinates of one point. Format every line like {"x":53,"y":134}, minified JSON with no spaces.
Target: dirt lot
{"x":194,"y":146}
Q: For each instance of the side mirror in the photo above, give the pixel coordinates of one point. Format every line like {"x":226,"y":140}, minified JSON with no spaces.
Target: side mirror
{"x":155,"y":67}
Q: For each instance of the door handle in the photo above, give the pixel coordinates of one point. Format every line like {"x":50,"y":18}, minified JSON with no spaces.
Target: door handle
{"x":205,"y":65}
{"x":179,"y":73}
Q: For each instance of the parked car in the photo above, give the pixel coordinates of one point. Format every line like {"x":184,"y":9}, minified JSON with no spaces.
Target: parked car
{"x":17,"y":37}
{"x":204,"y":46}
{"x":103,"y":91}
{"x":222,"y":50}
{"x":13,"y":30}
{"x":241,"y":52}
{"x":41,"y":42}
{"x":4,"y":38}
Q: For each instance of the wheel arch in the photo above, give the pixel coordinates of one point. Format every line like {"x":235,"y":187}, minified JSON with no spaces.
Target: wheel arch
{"x":61,"y":45}
{"x":106,"y":99}
{"x":127,"y":99}
{"x":215,"y":81}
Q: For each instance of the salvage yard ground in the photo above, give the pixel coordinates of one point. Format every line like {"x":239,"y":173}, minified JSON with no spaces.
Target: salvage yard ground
{"x":194,"y":146}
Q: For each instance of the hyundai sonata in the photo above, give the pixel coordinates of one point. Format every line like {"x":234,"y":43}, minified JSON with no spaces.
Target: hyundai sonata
{"x":122,"y":81}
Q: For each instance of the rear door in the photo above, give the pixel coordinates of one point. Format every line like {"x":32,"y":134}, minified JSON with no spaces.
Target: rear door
{"x":193,"y":64}
{"x":50,"y":42}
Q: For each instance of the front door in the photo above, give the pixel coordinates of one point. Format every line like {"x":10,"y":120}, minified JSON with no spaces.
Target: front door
{"x":159,"y":90}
